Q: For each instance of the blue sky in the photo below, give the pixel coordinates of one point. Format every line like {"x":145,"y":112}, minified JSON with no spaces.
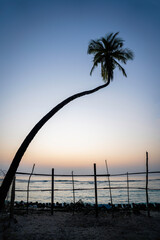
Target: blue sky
{"x":44,"y":59}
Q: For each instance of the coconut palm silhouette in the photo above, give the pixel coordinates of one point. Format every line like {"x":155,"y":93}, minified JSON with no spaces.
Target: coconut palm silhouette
{"x":107,"y":51}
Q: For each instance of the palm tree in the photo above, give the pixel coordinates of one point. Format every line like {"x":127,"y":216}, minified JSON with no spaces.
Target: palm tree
{"x":108,"y":52}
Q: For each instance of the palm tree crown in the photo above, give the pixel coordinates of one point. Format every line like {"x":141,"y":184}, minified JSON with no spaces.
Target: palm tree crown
{"x":109,"y":52}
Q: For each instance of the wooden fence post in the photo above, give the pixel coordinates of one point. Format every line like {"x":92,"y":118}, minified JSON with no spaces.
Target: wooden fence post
{"x":147,"y":201}
{"x":12,"y":198}
{"x":28,"y":186}
{"x":52,"y":194}
{"x":73,"y":193}
{"x":128,"y":187}
{"x":95,"y":185}
{"x":109,"y":182}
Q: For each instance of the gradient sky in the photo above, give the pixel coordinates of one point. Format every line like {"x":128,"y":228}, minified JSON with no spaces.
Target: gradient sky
{"x":43,"y":60}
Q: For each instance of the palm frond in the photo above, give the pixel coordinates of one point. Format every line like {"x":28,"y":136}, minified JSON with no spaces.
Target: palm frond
{"x":94,"y":46}
{"x":105,"y":43}
{"x":95,"y":64}
{"x":117,"y":43}
{"x":129,"y":54}
{"x":120,"y":68}
{"x":108,"y":37}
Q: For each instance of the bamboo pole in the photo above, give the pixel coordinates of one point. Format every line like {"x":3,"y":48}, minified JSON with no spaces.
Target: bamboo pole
{"x":28,"y":186}
{"x":147,"y":200}
{"x":12,"y":198}
{"x":95,"y":185}
{"x":73,"y":192}
{"x":128,"y":187}
{"x":52,"y":193}
{"x":109,"y":182}
{"x":85,"y":175}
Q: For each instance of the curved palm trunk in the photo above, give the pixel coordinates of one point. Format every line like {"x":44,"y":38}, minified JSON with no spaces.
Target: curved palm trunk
{"x":15,"y":163}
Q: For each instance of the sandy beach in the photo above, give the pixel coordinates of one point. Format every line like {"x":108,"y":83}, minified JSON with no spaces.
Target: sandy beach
{"x":82,"y":225}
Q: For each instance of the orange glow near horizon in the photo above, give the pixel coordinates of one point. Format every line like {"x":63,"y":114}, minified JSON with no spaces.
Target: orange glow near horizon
{"x":63,"y":144}
{"x":66,"y":158}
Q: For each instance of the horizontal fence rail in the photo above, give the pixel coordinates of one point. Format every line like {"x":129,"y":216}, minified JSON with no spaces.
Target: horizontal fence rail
{"x":86,"y":189}
{"x":86,"y":175}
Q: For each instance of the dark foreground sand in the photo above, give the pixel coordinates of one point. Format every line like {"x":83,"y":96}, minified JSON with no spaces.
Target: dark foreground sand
{"x":81,"y":226}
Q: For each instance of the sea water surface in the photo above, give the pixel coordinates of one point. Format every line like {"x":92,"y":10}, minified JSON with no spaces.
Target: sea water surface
{"x":40,"y":189}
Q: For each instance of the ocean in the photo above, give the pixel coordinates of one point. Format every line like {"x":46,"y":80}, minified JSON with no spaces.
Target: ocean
{"x":40,"y":189}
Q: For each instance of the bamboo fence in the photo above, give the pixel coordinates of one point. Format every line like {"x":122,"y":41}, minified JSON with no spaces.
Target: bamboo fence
{"x":95,"y":188}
